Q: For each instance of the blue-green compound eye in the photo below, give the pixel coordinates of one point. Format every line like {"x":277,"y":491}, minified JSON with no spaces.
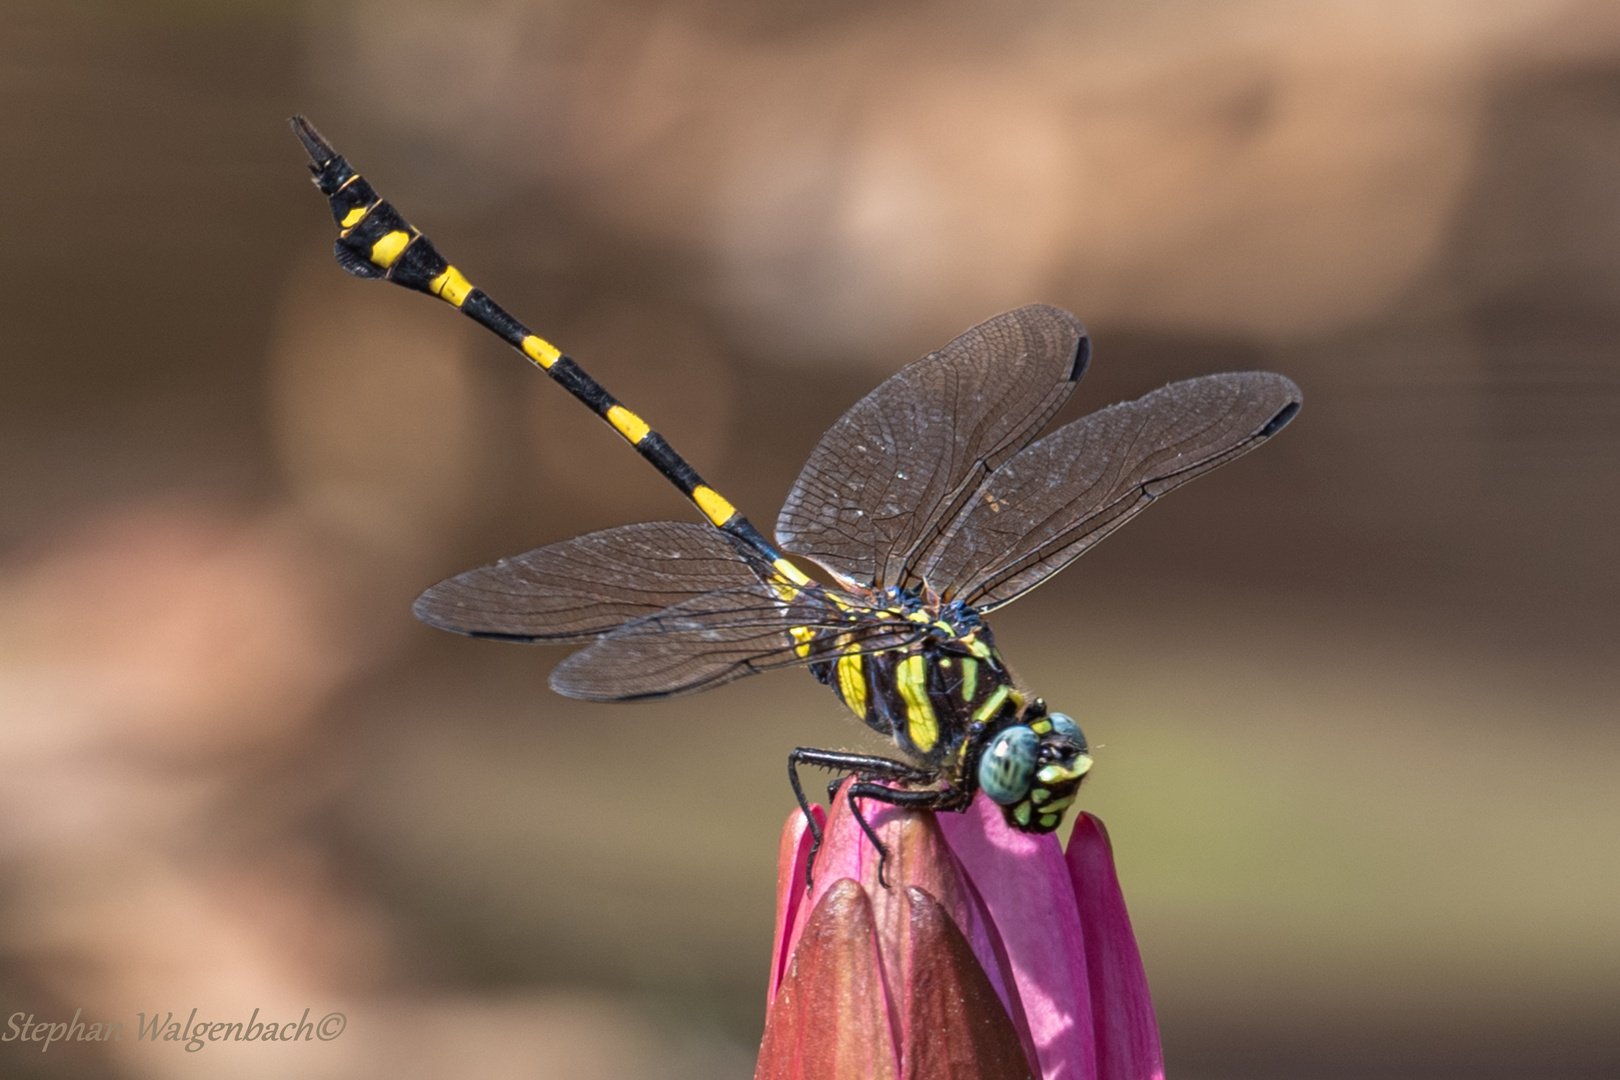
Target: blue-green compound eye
{"x":1008,"y":764}
{"x":1064,"y":725}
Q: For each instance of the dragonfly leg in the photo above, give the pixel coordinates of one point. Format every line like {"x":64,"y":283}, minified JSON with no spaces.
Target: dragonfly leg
{"x":928,"y":799}
{"x":804,"y":806}
{"x":863,"y":766}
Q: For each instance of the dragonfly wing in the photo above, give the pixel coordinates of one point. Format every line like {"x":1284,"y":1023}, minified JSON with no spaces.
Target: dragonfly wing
{"x":716,"y":638}
{"x":1051,"y":502}
{"x":587,"y":586}
{"x":900,"y":462}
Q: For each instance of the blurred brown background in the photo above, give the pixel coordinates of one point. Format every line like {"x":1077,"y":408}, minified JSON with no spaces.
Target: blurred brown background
{"x":1356,"y":695}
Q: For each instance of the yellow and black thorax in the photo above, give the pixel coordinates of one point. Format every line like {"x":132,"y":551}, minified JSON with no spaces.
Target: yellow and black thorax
{"x":931,"y":696}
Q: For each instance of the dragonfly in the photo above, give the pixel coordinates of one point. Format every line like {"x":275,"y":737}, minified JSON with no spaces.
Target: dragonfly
{"x":937,"y":499}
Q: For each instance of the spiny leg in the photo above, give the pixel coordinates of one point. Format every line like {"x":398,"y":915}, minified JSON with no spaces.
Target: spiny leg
{"x":927,"y":799}
{"x":804,"y":804}
{"x":860,"y":765}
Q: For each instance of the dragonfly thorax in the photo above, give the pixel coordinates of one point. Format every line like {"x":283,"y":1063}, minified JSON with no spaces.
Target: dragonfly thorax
{"x":933,"y":695}
{"x":951,"y":706}
{"x":927,"y":695}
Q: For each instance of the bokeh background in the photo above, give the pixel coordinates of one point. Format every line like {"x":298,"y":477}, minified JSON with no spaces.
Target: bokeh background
{"x":1356,"y":695}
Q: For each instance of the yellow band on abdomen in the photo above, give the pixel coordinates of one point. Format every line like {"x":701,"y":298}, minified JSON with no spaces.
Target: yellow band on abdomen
{"x":451,"y":287}
{"x":714,"y":507}
{"x":627,"y":423}
{"x":540,"y":351}
{"x":386,"y":251}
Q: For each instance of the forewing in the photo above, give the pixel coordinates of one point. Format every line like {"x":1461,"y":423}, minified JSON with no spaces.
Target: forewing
{"x":903,"y":459}
{"x":1051,"y":502}
{"x":722,"y":636}
{"x":587,"y":586}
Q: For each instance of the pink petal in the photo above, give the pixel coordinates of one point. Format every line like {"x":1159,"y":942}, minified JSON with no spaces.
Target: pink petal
{"x":920,"y":858}
{"x":1122,"y":1010}
{"x":791,"y":855}
{"x":1025,"y":886}
{"x":918,"y":855}
{"x":845,"y":853}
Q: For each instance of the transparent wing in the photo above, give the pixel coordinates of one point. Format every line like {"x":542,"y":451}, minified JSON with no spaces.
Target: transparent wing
{"x":1048,"y":504}
{"x":905,"y":458}
{"x":721,"y":636}
{"x":587,"y":586}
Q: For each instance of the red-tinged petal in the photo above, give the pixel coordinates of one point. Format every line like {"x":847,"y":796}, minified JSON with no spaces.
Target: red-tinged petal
{"x":791,"y":857}
{"x":841,"y":856}
{"x":957,"y":1028}
{"x":829,"y":1021}
{"x":919,"y":857}
{"x":1025,"y":886}
{"x":1121,"y":1008}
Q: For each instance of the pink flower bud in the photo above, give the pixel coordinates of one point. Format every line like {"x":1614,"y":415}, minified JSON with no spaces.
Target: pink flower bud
{"x":992,"y":956}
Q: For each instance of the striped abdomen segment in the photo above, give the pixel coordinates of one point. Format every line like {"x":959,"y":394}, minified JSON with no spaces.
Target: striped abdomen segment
{"x":376,"y":241}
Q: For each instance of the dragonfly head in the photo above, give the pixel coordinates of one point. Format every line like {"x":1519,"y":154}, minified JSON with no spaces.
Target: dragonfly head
{"x":1034,"y":769}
